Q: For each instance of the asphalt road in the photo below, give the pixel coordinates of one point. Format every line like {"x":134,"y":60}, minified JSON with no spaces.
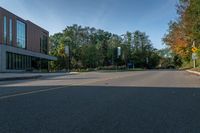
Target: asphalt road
{"x":126,"y":102}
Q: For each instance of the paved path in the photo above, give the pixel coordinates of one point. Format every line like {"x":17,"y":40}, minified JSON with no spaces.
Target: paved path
{"x":136,"y":102}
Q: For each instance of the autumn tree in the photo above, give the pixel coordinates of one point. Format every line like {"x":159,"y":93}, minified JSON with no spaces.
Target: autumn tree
{"x":185,"y":30}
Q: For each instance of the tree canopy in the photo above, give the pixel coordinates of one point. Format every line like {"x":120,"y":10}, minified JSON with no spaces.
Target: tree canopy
{"x":93,"y":48}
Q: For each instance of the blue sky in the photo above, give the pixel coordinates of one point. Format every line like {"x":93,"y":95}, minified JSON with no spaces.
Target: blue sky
{"x":116,"y":16}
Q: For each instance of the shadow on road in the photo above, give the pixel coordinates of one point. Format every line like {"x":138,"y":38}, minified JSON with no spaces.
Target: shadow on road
{"x":98,"y":109}
{"x":10,"y":90}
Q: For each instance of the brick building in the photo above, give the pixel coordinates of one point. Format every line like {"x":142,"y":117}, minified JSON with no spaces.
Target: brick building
{"x":23,"y":45}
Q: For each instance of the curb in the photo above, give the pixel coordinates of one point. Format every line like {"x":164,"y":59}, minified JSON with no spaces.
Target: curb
{"x":20,"y":78}
{"x":193,"y":72}
{"x":34,"y":77}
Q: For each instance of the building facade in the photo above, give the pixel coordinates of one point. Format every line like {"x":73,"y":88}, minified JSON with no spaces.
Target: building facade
{"x":23,"y":45}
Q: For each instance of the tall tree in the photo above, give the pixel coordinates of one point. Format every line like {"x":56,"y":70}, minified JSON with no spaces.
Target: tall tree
{"x":185,"y":30}
{"x":91,"y":48}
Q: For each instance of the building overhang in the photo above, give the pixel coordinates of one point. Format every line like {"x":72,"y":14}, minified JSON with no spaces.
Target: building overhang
{"x":7,"y":48}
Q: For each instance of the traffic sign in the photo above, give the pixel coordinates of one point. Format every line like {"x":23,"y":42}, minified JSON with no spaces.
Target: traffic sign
{"x":194,"y":49}
{"x":67,"y":50}
{"x":194,"y":56}
{"x":118,"y":52}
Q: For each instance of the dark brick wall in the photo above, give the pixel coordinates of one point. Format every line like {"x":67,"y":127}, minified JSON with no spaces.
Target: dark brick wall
{"x":33,"y":36}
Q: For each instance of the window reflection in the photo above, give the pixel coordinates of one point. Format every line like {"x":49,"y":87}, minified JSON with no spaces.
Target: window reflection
{"x":5,"y":29}
{"x":21,"y":35}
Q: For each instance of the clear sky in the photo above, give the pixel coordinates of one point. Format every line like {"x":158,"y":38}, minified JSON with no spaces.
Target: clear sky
{"x":116,"y":16}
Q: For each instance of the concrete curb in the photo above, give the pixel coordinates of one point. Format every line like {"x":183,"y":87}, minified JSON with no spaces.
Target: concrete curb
{"x":35,"y":76}
{"x":20,"y":78}
{"x":193,"y":72}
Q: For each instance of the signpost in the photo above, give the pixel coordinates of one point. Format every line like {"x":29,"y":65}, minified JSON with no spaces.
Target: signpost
{"x":194,"y":54}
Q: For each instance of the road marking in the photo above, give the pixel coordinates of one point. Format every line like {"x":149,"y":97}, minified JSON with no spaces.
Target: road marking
{"x":31,"y":92}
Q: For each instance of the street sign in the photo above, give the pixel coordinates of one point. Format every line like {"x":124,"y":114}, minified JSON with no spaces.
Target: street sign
{"x":194,"y":56}
{"x":194,"y":49}
{"x":147,"y":60}
{"x":67,"y":50}
{"x":118,"y":51}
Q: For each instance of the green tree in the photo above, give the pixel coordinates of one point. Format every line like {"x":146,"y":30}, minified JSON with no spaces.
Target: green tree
{"x":186,"y":29}
{"x":91,"y":48}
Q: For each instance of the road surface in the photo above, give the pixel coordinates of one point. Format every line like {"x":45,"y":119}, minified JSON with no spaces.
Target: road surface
{"x":99,"y":102}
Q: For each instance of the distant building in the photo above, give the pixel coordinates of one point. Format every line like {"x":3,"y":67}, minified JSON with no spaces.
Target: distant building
{"x":23,"y":45}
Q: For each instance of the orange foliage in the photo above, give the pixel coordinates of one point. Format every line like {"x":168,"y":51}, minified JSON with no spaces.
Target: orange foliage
{"x":177,"y":40}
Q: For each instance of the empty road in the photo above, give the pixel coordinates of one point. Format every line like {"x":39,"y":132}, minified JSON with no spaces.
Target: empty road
{"x":103,"y":102}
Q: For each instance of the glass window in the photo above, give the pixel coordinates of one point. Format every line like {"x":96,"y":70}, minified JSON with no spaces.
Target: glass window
{"x":4,"y":29}
{"x":20,"y":62}
{"x":14,"y":61}
{"x":21,"y":34}
{"x":23,"y":62}
{"x":10,"y":60}
{"x":10,"y":31}
{"x":17,"y":61}
{"x":29,"y":62}
{"x":7,"y":60}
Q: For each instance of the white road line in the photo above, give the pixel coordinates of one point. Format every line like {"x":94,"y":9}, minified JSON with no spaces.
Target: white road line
{"x":31,"y":92}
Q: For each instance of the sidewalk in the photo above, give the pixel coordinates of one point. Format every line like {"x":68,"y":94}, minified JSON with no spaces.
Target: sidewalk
{"x":23,"y":76}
